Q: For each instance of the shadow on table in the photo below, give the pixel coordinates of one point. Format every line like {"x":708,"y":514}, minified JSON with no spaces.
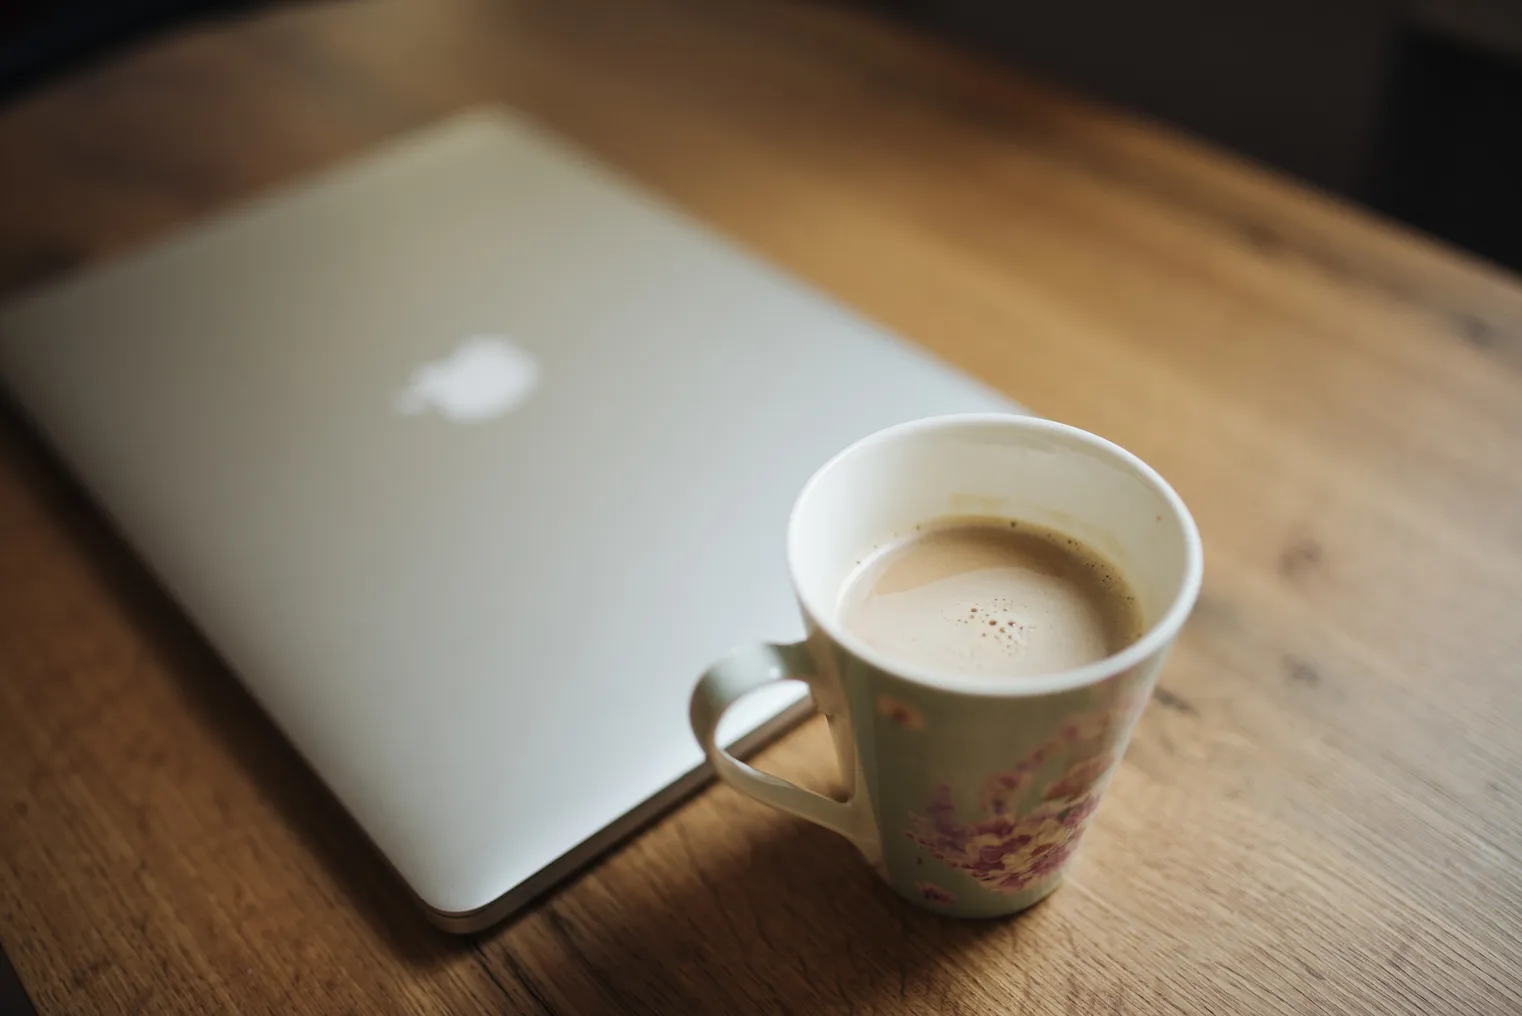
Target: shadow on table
{"x":793,"y":922}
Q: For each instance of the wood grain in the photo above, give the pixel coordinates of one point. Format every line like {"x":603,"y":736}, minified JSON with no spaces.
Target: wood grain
{"x":1321,"y":812}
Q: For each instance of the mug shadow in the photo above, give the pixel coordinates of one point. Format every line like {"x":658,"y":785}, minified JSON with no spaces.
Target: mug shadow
{"x":212,"y":692}
{"x":789,"y":920}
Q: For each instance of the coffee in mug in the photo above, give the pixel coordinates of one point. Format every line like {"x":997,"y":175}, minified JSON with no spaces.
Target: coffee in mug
{"x":991,"y":596}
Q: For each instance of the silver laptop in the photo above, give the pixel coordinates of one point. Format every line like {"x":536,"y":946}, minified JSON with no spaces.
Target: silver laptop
{"x":468,"y":457}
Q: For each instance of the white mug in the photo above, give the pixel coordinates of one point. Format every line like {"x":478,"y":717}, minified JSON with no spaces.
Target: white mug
{"x":967,"y":795}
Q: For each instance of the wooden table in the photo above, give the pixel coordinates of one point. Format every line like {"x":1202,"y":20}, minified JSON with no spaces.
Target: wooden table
{"x":1321,"y":812}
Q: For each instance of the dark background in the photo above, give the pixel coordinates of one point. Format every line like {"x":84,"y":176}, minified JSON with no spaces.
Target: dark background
{"x":1411,"y":107}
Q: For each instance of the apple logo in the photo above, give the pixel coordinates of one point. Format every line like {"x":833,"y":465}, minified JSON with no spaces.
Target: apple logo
{"x":484,"y":377}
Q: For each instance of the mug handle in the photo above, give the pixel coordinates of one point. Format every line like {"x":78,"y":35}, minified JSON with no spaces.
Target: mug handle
{"x":719,"y":688}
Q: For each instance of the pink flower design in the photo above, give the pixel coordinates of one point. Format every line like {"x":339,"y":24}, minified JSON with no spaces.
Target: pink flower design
{"x":935,"y":894}
{"x":1003,"y":789}
{"x":901,"y":713}
{"x":1080,"y":774}
{"x":1032,"y":818}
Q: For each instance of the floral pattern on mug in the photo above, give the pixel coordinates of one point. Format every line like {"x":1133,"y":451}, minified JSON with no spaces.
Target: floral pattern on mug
{"x":901,"y":713}
{"x":935,"y":894}
{"x":1032,"y":817}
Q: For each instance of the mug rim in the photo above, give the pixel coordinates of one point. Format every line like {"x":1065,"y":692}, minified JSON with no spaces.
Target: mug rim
{"x":1155,"y":639}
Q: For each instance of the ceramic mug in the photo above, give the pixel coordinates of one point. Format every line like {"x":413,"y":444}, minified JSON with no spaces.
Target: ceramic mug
{"x":968,"y":795}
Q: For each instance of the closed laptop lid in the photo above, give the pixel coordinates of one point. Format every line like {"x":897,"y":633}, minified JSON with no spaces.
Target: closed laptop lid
{"x":468,"y":457}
